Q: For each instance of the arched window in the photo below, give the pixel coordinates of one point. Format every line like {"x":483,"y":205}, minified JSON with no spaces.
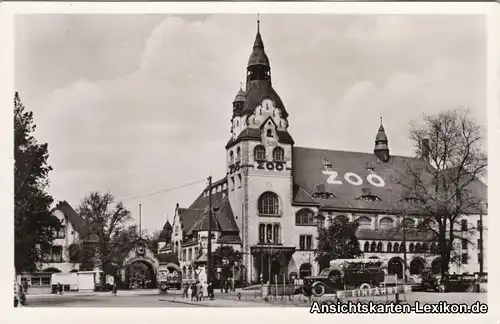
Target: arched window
{"x":184,"y":273}
{"x":418,"y":248}
{"x":190,"y":272}
{"x":269,"y":204}
{"x":412,"y":247}
{"x":190,"y":254}
{"x":278,"y":154}
{"x":259,"y":153}
{"x":231,"y":157}
{"x":196,"y":252}
{"x":380,"y":247}
{"x":366,"y":247}
{"x":409,"y":223}
{"x":184,"y":258}
{"x":304,"y":216}
{"x":396,"y":248}
{"x":389,"y":247}
{"x":269,"y":133}
{"x":364,"y":222}
{"x":386,"y":223}
{"x":425,"y":248}
{"x":305,"y":270}
{"x":238,"y":154}
{"x":402,"y":247}
{"x":373,"y":247}
{"x":177,"y":247}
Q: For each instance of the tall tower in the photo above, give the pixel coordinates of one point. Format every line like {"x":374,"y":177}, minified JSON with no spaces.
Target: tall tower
{"x":381,"y":149}
{"x":259,"y":159}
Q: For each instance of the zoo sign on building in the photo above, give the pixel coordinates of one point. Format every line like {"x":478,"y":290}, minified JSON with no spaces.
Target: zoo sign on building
{"x":276,"y":195}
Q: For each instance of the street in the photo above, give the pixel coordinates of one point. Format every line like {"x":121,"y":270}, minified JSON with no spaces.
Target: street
{"x":151,"y":298}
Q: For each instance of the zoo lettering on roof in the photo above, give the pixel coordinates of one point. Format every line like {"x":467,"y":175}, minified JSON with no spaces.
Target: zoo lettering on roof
{"x":333,"y":177}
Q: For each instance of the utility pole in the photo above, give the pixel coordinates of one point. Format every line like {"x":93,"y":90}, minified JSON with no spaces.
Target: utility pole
{"x":209,"y":243}
{"x":140,"y":222}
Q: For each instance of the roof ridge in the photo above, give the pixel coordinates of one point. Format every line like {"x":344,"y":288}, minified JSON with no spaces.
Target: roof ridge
{"x":355,"y":152}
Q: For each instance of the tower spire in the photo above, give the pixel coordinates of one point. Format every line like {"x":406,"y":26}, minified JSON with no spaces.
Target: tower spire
{"x":381,"y":149}
{"x":258,"y":24}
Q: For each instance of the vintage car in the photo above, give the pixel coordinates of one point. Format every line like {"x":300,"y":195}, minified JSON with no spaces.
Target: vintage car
{"x":345,"y":274}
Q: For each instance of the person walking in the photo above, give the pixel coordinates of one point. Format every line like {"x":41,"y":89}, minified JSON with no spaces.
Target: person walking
{"x":205,"y":290}
{"x":115,"y":289}
{"x":190,"y":291}
{"x":211,"y":291}
{"x":60,"y":288}
{"x":185,"y":288}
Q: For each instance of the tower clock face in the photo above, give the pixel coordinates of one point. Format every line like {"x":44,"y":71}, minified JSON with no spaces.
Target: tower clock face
{"x":140,"y":249}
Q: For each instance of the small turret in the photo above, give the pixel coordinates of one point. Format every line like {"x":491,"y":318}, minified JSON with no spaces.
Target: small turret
{"x":239,"y":102}
{"x":381,"y":149}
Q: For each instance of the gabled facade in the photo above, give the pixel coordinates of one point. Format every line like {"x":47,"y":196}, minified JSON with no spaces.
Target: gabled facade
{"x":275,"y":196}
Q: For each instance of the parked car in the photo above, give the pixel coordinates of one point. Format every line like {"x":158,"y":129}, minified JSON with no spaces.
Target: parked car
{"x":430,"y":282}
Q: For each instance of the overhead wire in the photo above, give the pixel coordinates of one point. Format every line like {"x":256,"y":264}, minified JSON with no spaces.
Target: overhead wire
{"x":164,"y":190}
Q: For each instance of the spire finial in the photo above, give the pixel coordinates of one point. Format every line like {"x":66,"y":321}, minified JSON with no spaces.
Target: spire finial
{"x":380,"y":120}
{"x":258,"y":23}
{"x":241,"y":85}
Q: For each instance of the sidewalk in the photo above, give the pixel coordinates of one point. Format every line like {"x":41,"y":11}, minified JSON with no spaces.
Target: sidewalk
{"x":218,"y":302}
{"x":98,"y":293}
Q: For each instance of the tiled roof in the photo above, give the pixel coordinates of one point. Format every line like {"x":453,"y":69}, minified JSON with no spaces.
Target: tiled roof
{"x":168,"y":258}
{"x":166,"y":233}
{"x":76,"y":221}
{"x":222,"y":219}
{"x":259,"y":90}
{"x":195,"y":215}
{"x":308,"y":176}
{"x":255,"y":134}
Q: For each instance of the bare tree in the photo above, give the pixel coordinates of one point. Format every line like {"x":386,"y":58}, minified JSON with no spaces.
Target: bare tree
{"x":445,"y":184}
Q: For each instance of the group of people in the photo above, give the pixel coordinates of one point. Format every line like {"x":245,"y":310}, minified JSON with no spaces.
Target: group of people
{"x":198,"y":291}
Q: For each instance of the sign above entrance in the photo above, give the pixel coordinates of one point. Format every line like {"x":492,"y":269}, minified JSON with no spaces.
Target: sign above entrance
{"x":271,"y":166}
{"x":352,"y":178}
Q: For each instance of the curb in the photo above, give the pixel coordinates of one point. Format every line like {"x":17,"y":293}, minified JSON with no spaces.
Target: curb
{"x":187,"y":303}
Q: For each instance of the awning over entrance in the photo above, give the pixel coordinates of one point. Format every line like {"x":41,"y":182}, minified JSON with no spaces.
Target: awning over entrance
{"x":272,"y":249}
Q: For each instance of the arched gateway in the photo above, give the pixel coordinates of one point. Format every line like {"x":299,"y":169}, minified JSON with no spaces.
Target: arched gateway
{"x":140,"y":267}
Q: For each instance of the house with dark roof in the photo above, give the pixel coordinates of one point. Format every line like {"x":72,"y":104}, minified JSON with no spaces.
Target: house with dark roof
{"x":275,"y":195}
{"x":57,"y":255}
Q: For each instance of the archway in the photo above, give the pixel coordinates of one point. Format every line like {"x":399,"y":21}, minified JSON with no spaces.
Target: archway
{"x":395,"y":267}
{"x":417,"y":265}
{"x":305,"y":270}
{"x":436,"y":265}
{"x":140,"y":275}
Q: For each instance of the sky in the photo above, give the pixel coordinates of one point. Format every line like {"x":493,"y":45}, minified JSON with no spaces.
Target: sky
{"x":136,"y":104}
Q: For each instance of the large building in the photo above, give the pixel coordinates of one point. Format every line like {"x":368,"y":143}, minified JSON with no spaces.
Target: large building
{"x":276,"y":195}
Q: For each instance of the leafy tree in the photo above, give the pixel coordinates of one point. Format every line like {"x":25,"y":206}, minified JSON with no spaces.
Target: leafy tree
{"x":446,"y":186}
{"x":107,"y":223}
{"x":224,"y":257}
{"x":34,"y":223}
{"x":337,"y":241}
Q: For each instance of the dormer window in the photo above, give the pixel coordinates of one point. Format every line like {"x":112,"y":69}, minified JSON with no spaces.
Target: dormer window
{"x":269,"y":133}
{"x":323,"y":195}
{"x":278,"y":154}
{"x":231,"y":157}
{"x":369,"y":198}
{"x":260,"y":153}
{"x":238,"y":154}
{"x":327,"y":165}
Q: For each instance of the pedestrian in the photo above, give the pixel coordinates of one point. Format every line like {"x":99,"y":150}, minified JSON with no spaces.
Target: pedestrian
{"x":205,"y":291}
{"x":60,"y":288}
{"x":190,"y":291}
{"x":185,"y":288}
{"x":211,"y":291}
{"x":115,"y":289}
{"x":200,"y":290}
{"x":194,"y":295}
{"x":226,"y":286}
{"x":221,"y":285}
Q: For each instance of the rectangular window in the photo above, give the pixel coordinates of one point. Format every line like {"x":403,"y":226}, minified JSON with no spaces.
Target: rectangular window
{"x":465,"y":258}
{"x":57,"y":253}
{"x":239,"y":180}
{"x":61,"y":233}
{"x":184,"y":255}
{"x":36,"y":281}
{"x":262,"y":235}
{"x":465,"y":244}
{"x":46,"y":255}
{"x":196,"y":252}
{"x":464,"y":225}
{"x":276,"y":233}
{"x":309,"y":242}
{"x":302,"y":242}
{"x":45,"y":281}
{"x":190,"y":254}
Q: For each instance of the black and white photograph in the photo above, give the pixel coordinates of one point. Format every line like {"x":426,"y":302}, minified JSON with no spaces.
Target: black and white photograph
{"x":318,"y":161}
